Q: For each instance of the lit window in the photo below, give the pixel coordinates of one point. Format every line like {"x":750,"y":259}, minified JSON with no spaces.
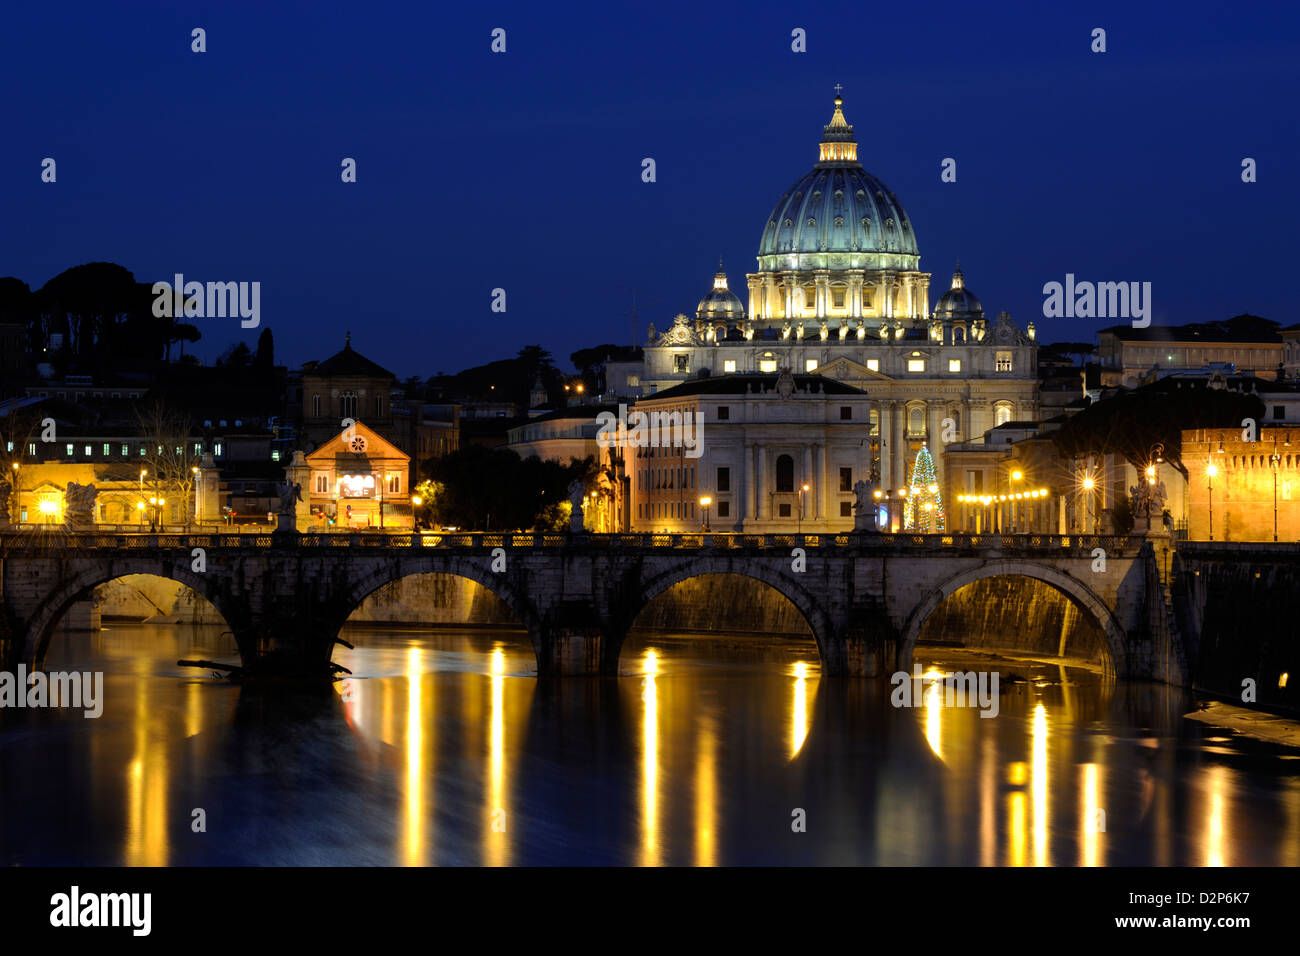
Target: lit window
{"x":681,"y":363}
{"x":90,"y":451}
{"x":728,"y":365}
{"x":69,"y":450}
{"x":916,"y":365}
{"x":126,"y":449}
{"x":837,"y":298}
{"x":810,"y":365}
{"x":1003,"y":414}
{"x":107,"y":449}
{"x":634,"y":381}
{"x":394,"y":484}
{"x":1004,"y":362}
{"x":275,"y":455}
{"x":216,"y":449}
{"x":767,"y":363}
{"x":873,"y":364}
{"x":954,"y":365}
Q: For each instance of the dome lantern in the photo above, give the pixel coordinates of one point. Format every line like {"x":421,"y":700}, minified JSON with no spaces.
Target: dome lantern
{"x":837,"y":144}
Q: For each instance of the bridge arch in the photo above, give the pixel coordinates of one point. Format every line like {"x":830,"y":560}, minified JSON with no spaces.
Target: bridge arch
{"x":40,"y":629}
{"x":473,"y":568}
{"x":809,"y":608}
{"x":1074,"y":589}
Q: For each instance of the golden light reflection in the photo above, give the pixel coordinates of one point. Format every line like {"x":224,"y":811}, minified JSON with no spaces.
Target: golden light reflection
{"x":495,"y":828}
{"x":650,"y":762}
{"x":1016,"y":828}
{"x":1038,"y":785}
{"x":934,"y":711}
{"x":415,"y":811}
{"x":1215,"y":784}
{"x":988,"y":802}
{"x":146,"y":783}
{"x":193,"y":709}
{"x":1090,"y":839}
{"x":799,"y":713}
{"x":706,"y":790}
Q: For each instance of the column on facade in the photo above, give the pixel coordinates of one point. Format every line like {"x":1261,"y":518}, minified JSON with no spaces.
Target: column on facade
{"x":823,"y":469}
{"x":788,"y":280}
{"x":822,"y":281}
{"x":900,"y":446}
{"x":769,"y":296}
{"x":808,"y":500}
{"x":855,"y":295}
{"x":754,"y":293}
{"x":748,"y":514}
{"x":886,"y":442}
{"x":935,"y":443}
{"x":760,"y":482}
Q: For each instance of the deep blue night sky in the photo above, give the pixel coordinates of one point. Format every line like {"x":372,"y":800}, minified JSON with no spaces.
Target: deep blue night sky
{"x":523,"y":170}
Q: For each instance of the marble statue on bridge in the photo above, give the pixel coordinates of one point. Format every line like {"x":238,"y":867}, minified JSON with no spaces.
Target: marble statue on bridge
{"x":290,"y":493}
{"x":79,"y":506}
{"x":577,"y":492}
{"x":865,"y":508}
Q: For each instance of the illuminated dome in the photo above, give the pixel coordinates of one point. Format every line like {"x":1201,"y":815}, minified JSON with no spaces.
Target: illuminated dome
{"x":721,"y":304}
{"x":838,"y":207}
{"x":958,"y":302}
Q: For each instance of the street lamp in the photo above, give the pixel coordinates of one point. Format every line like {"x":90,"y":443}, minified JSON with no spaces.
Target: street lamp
{"x":705,"y":501}
{"x":1274,"y":460}
{"x":1016,"y":475}
{"x":1210,"y":472}
{"x":803,"y":490}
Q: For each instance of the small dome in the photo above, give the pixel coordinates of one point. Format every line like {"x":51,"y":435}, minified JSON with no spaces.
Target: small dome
{"x":721,"y":304}
{"x":958,"y":302}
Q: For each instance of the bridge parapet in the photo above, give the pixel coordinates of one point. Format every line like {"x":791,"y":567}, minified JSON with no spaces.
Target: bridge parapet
{"x":1039,"y":544}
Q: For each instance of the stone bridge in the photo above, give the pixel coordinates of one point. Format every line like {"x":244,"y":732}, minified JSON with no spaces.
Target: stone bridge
{"x":865,"y":597}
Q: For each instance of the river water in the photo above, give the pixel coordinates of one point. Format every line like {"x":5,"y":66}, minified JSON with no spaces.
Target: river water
{"x":444,"y":748}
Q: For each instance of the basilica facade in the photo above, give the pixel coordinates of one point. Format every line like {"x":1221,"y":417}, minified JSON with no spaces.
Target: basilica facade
{"x":839,"y":293}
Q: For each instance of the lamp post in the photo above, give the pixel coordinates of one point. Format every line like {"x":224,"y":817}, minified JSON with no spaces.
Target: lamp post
{"x":1016,"y":475}
{"x":1210,"y":472}
{"x":1274,"y":461}
{"x":704,"y":505}
{"x":1088,"y":484}
{"x":803,"y":491}
{"x":18,"y":490}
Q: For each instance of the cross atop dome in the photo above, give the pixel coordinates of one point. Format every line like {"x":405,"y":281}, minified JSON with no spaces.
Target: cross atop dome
{"x":837,"y":144}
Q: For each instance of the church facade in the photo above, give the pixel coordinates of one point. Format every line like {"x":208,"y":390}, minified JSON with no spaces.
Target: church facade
{"x":839,"y":293}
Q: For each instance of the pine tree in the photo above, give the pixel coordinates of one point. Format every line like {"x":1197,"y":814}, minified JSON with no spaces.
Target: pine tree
{"x":923,"y":511}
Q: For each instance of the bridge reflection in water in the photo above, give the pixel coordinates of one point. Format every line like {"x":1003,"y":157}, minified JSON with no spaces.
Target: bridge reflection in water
{"x":446,"y":749}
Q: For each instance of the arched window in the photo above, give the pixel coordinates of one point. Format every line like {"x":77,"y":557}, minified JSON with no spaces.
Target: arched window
{"x":348,"y":405}
{"x":915,"y":420}
{"x":1002,"y":414}
{"x":784,"y":473}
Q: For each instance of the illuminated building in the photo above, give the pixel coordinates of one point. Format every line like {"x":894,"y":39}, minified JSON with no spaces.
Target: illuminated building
{"x":839,"y":293}
{"x":358,"y":479}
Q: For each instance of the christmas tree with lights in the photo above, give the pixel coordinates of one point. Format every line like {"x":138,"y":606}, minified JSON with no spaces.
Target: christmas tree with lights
{"x":923,"y":511}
